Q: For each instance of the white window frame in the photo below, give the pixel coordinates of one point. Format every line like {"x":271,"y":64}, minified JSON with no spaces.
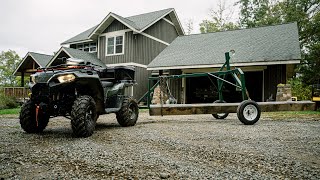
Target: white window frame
{"x":82,"y":44}
{"x":115,"y":35}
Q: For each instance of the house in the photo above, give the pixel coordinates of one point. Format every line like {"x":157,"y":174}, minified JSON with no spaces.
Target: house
{"x":134,"y":40}
{"x":155,"y":42}
{"x":267,"y":55}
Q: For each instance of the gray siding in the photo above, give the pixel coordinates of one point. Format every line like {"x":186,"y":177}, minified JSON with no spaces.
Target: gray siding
{"x":163,"y":30}
{"x":139,"y":49}
{"x":115,"y":26}
{"x":141,"y":77}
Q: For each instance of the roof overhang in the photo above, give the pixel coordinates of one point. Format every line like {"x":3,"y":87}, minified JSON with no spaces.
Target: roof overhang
{"x":15,"y":73}
{"x":77,"y":42}
{"x":111,"y":17}
{"x":105,"y":23}
{"x":57,"y":54}
{"x":174,"y":17}
{"x":220,"y":65}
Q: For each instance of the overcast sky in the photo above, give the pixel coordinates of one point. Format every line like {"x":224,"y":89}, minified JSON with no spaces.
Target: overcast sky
{"x":41,"y":25}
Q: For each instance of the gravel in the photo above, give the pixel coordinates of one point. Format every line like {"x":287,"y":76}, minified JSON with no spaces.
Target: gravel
{"x":172,"y":147}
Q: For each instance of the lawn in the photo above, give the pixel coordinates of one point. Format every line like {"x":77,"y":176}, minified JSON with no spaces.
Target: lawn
{"x":10,"y":111}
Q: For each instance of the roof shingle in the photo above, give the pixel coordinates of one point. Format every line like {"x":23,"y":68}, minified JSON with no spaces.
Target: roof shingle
{"x":263,"y":44}
{"x":138,"y":22}
{"x":42,"y":59}
{"x":91,"y":57}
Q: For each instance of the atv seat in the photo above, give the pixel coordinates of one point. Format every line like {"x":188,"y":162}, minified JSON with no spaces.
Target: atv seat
{"x":106,"y":84}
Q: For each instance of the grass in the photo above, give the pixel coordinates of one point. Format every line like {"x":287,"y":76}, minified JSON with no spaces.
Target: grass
{"x":298,"y":112}
{"x":10,"y":111}
{"x":311,"y":115}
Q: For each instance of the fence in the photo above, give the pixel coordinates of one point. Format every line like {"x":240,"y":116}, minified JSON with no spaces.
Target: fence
{"x":20,"y":93}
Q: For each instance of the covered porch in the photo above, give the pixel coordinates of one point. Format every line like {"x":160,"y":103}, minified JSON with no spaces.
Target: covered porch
{"x":29,"y":65}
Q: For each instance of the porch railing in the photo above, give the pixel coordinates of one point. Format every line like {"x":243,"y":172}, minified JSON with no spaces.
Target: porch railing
{"x":17,"y":92}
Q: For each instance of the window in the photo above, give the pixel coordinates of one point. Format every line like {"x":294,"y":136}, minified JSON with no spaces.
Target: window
{"x":115,"y":45}
{"x":88,"y":47}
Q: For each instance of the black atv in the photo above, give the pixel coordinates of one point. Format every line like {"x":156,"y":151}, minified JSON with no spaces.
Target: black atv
{"x":79,"y":91}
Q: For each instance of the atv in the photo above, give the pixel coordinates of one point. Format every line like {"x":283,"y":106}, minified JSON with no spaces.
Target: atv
{"x":79,"y":91}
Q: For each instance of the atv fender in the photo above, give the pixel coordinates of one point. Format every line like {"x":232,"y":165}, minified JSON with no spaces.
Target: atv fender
{"x":93,"y":88}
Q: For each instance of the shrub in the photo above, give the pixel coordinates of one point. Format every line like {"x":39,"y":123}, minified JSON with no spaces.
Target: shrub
{"x":7,"y":102}
{"x":301,"y":91}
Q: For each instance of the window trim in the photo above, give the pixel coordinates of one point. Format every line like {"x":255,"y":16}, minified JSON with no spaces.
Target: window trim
{"x":114,"y":35}
{"x":89,"y":43}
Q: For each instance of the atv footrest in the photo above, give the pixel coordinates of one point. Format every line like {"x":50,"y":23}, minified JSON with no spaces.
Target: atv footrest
{"x":112,"y":110}
{"x":106,"y":84}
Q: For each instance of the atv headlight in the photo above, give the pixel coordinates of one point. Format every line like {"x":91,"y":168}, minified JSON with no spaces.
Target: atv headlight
{"x":66,"y":78}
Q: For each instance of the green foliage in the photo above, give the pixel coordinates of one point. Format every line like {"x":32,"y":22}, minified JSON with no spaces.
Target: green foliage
{"x":7,"y":102}
{"x":300,"y":90}
{"x":255,"y":13}
{"x":9,"y":60}
{"x":220,"y":20}
{"x":14,"y":111}
{"x":306,"y":13}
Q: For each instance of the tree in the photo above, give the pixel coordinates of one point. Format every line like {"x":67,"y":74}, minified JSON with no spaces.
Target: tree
{"x":189,"y":26}
{"x":9,"y":61}
{"x":307,"y":14}
{"x":254,"y":13}
{"x":220,"y":20}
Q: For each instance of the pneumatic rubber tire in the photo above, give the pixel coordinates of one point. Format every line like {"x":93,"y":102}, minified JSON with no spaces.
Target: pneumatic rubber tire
{"x":28,"y":118}
{"x":129,"y":112}
{"x":248,"y":112}
{"x":83,"y":116}
{"x":220,"y":115}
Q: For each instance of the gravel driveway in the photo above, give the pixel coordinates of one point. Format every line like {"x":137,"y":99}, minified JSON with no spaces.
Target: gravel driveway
{"x":173,"y":147}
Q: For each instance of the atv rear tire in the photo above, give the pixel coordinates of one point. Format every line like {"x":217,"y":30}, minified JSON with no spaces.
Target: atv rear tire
{"x":129,"y":112}
{"x":28,"y":118}
{"x":83,"y":116}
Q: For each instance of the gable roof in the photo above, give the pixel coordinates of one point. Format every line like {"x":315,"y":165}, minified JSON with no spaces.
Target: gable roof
{"x":277,"y":44}
{"x":75,"y":53}
{"x":41,"y":59}
{"x":137,"y":23}
{"x":84,"y":36}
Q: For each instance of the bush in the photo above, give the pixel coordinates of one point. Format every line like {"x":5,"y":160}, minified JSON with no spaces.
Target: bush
{"x":7,"y":102}
{"x":301,"y":91}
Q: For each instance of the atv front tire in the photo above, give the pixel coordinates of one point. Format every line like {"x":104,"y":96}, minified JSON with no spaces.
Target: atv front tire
{"x":129,"y":112}
{"x":28,"y":120}
{"x":83,"y":116}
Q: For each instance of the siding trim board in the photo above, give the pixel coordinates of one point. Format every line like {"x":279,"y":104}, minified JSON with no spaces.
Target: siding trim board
{"x":115,"y":33}
{"x":154,"y":38}
{"x":156,"y":21}
{"x":168,"y":21}
{"x":128,"y":64}
{"x":235,"y":64}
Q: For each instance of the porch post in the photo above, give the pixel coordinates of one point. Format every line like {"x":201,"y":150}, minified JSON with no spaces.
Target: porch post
{"x":22,"y":79}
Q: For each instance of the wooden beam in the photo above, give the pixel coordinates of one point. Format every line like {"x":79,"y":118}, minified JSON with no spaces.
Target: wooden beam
{"x":187,"y":109}
{"x":22,"y":79}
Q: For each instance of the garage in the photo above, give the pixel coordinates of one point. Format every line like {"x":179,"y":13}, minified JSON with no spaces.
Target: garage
{"x":204,"y":89}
